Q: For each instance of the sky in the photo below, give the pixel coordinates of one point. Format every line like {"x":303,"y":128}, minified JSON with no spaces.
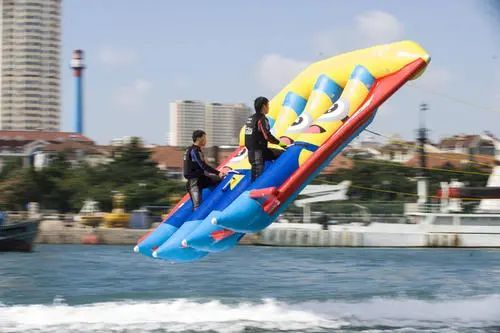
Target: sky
{"x":142,"y":55}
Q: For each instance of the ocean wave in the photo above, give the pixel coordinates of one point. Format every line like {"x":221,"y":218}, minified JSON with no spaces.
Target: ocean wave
{"x":473,"y":309}
{"x":163,"y":316}
{"x":187,"y":315}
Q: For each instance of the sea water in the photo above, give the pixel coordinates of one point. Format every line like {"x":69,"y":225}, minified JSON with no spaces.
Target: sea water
{"x":73,"y":288}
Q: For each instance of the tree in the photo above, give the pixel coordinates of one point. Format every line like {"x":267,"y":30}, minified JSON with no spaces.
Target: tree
{"x":64,"y":187}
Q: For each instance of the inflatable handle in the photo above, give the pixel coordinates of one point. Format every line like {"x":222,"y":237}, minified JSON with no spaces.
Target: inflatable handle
{"x":230,"y":173}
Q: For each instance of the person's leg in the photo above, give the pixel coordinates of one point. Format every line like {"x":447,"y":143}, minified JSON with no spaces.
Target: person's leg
{"x":251,"y":159}
{"x":194,"y":191}
{"x":209,"y":180}
{"x":271,"y":154}
{"x":256,"y":159}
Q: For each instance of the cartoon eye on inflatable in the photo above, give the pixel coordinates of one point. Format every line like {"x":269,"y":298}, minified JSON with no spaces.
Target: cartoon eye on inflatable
{"x":337,"y":111}
{"x":301,"y":124}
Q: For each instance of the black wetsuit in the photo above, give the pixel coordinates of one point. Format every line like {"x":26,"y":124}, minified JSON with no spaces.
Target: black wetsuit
{"x":198,"y":173}
{"x":257,"y":135}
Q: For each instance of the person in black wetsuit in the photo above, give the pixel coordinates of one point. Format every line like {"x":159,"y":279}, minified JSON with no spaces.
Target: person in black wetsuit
{"x":198,"y":173}
{"x":257,"y":135}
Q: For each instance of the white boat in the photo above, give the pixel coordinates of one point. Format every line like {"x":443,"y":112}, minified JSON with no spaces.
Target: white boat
{"x":425,"y":225}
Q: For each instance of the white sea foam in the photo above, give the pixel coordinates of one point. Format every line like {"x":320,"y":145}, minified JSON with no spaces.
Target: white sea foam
{"x":169,"y":316}
{"x":269,"y":315}
{"x":403,"y":312}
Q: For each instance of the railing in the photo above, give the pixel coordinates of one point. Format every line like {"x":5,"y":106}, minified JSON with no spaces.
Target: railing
{"x":466,"y":208}
{"x":343,"y":218}
{"x":43,"y":215}
{"x":412,"y":208}
{"x":16,"y":215}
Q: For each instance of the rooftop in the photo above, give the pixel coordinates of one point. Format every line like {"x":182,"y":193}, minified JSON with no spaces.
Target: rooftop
{"x":42,"y":135}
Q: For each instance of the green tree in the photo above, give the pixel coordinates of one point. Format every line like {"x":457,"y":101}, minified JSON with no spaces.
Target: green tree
{"x":64,"y":187}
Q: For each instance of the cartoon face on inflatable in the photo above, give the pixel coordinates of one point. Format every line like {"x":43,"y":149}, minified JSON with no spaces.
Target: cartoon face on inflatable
{"x":338,"y":111}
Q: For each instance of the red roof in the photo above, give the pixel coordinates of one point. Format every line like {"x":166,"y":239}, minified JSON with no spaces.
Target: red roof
{"x":439,"y":160}
{"x":168,"y":157}
{"x":458,"y":140}
{"x":339,"y":162}
{"x":9,"y":144}
{"x":42,"y":135}
{"x":73,"y":146}
{"x":401,"y":146}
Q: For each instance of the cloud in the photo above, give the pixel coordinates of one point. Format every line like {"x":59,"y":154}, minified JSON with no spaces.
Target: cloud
{"x":379,"y":27}
{"x":329,"y":43}
{"x":434,"y":79}
{"x":274,"y":71}
{"x":133,"y":96}
{"x":368,"y":29}
{"x":114,"y":56}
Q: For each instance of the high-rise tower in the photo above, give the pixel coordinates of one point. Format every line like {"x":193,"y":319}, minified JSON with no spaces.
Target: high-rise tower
{"x":78,"y":67}
{"x":29,"y":64}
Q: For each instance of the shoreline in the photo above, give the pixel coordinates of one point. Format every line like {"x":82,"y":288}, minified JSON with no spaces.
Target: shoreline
{"x":375,"y":235}
{"x":57,"y":232}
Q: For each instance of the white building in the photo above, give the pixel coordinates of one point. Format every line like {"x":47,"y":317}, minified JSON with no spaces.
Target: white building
{"x":224,"y":122}
{"x":124,"y":140}
{"x":221,"y":122}
{"x":475,"y":144}
{"x":29,"y":64}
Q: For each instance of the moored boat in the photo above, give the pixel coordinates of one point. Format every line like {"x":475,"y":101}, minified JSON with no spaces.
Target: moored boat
{"x":18,"y":235}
